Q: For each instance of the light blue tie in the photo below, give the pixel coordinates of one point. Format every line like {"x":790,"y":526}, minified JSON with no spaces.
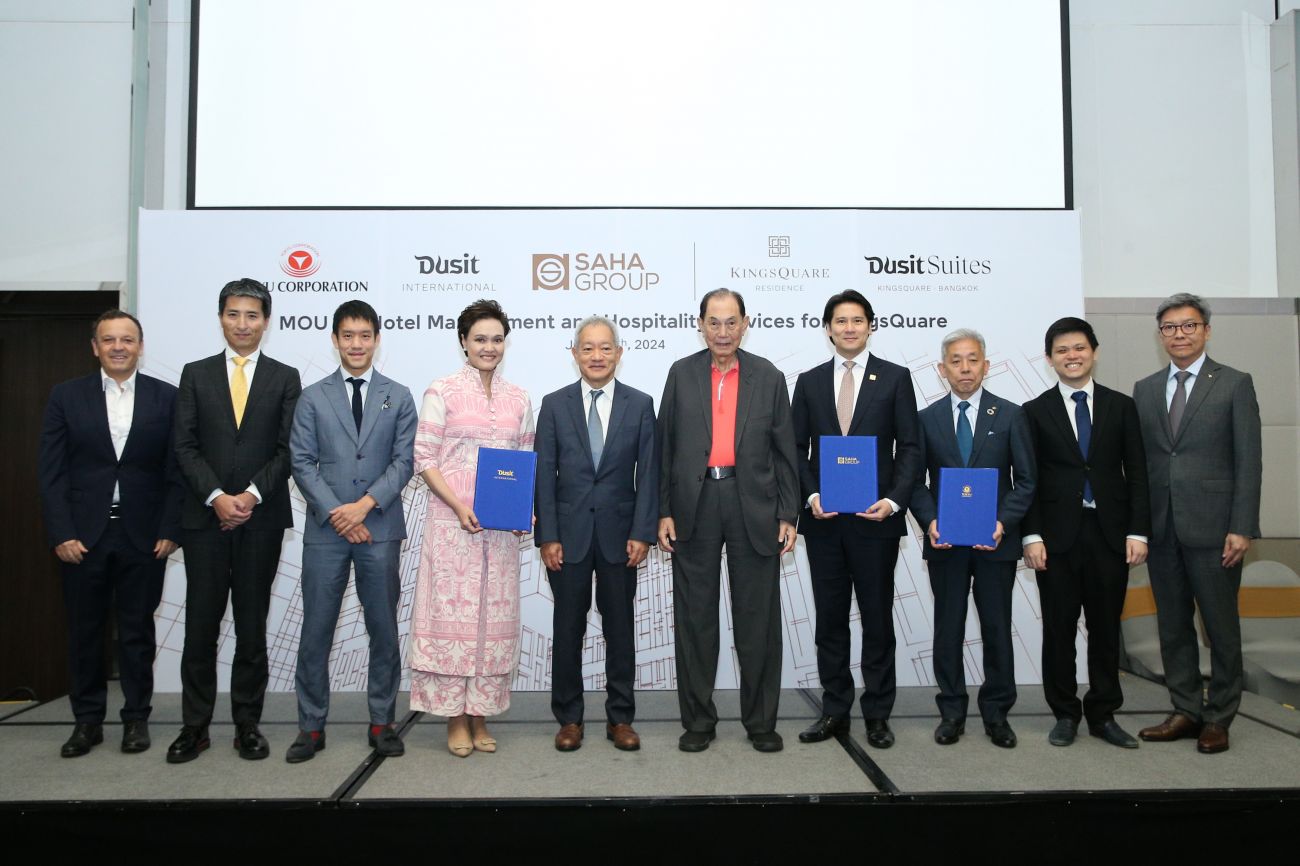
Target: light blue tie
{"x":965,"y":436}
{"x":594,"y":433}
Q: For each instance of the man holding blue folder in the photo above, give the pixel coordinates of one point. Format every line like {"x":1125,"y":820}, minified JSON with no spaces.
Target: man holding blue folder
{"x":971,"y":428}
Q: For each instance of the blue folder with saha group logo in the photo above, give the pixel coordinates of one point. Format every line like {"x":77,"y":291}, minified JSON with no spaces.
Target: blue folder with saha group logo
{"x":848,"y":473}
{"x":968,"y":506}
{"x":503,"y":489}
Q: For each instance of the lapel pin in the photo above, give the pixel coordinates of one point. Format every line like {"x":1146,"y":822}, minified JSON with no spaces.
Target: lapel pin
{"x":386,"y":405}
{"x":993,"y":410}
{"x":872,"y":377}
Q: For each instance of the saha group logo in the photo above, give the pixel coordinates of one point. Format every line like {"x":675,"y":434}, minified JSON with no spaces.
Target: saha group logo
{"x":300,"y":260}
{"x":587,"y":272}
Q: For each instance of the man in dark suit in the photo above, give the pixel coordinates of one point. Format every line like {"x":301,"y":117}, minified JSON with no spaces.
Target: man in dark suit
{"x":1088,"y":523}
{"x":1201,"y":427}
{"x":111,"y":500}
{"x":597,"y":507}
{"x":352,"y":448}
{"x":233,"y":416}
{"x":972,"y":427}
{"x":855,"y":394}
{"x":727,"y":475}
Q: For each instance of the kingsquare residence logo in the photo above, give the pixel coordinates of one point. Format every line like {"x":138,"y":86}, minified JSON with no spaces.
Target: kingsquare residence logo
{"x":777,"y":276}
{"x":304,"y":260}
{"x":592,"y":272}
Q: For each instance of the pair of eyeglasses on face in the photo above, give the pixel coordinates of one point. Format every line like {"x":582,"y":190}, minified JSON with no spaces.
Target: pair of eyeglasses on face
{"x":1169,"y":328}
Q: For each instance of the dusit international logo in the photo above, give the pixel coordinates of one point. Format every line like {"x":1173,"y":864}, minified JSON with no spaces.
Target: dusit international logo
{"x":449,"y":273}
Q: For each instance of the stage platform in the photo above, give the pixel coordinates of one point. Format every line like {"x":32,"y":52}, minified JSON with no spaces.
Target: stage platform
{"x":730,"y":798}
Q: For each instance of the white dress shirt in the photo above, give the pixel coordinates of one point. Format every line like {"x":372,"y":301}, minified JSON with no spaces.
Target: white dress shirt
{"x":365,"y":378}
{"x":972,"y":411}
{"x":837,"y":377}
{"x":1171,"y":384}
{"x":120,"y":402}
{"x":603,"y":406}
{"x":250,"y":367}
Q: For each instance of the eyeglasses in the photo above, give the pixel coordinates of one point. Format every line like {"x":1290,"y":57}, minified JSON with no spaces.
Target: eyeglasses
{"x":1169,"y":328}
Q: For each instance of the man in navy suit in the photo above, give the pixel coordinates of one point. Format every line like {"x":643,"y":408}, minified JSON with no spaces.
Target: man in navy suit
{"x":855,"y":394}
{"x":597,"y":510}
{"x":972,"y":427}
{"x":111,"y":499}
{"x":352,"y":447}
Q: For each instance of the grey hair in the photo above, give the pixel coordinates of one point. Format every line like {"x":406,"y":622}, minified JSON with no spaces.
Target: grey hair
{"x":962,"y":334}
{"x":1184,"y":299}
{"x":595,"y":320}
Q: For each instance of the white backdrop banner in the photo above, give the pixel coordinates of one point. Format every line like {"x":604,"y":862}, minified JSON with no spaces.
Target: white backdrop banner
{"x":1006,"y":273}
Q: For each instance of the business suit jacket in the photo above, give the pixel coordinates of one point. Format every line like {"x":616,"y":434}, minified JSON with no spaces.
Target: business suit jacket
{"x":213,"y":453}
{"x":1001,"y":441}
{"x":1116,"y":468}
{"x":79,"y":467}
{"x":765,"y":452}
{"x":886,"y":409}
{"x":334,"y":465}
{"x":1205,"y":481}
{"x":578,"y":502}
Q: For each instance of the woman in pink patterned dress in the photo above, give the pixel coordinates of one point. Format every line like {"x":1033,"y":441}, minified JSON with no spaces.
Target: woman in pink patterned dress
{"x":465,"y":623}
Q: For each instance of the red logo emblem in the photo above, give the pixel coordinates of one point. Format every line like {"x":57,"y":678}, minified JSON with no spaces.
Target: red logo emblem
{"x":300,"y":260}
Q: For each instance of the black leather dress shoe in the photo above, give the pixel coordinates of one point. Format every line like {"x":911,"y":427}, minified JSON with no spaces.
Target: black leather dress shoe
{"x":188,"y":745}
{"x":1063,"y":732}
{"x":305,"y":746}
{"x":1113,"y":734}
{"x":1001,"y":735}
{"x":949,"y":731}
{"x":823,"y":729}
{"x":695,"y":741}
{"x":84,"y":736}
{"x":251,"y":744}
{"x":135,"y":736}
{"x":878,"y":734}
{"x":387,"y":743}
{"x":768,"y":741}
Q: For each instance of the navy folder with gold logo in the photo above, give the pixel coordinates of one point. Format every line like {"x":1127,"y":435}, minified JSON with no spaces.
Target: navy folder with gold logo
{"x":968,"y":506}
{"x":848,"y":473}
{"x":503,"y":488}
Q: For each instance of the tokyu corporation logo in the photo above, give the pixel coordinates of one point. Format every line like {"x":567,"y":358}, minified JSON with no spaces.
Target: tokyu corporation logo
{"x":299,"y":260}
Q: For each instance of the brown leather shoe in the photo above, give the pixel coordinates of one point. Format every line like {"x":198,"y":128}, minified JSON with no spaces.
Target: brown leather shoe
{"x":1175,"y":727}
{"x":1213,"y":739}
{"x":625,"y":739}
{"x":569,"y":739}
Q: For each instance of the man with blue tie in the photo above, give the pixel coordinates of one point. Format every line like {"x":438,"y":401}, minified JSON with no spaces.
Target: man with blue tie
{"x":597,"y":509}
{"x":973,"y":427}
{"x":352,"y":447}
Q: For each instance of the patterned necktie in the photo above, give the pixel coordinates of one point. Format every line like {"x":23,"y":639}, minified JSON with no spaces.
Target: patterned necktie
{"x":356,"y":400}
{"x":844,"y":402}
{"x":965,"y":436}
{"x":1083,"y":420}
{"x":239,"y":389}
{"x":1179,"y":403}
{"x":594,"y":433}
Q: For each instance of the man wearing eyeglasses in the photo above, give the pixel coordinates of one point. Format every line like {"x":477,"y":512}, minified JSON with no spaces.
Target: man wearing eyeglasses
{"x":1201,"y":429}
{"x":727,"y":475}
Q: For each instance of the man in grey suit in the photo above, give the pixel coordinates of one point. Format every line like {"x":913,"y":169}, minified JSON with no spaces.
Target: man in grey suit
{"x":727,"y":475}
{"x":597,"y":503}
{"x":1201,"y":428}
{"x":352,"y":448}
{"x":973,"y":427}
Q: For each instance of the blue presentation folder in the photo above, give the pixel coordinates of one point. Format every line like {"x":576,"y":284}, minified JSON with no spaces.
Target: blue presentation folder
{"x":503,"y":489}
{"x":848,"y":473}
{"x":968,"y":506}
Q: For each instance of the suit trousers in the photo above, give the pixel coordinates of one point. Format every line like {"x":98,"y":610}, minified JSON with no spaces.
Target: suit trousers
{"x":238,"y":566}
{"x":953,"y":578}
{"x":1092,"y":577}
{"x":615,"y":599}
{"x":1182,"y":579}
{"x":113,"y":574}
{"x":845,"y":563}
{"x":755,"y":582}
{"x":325,"y":569}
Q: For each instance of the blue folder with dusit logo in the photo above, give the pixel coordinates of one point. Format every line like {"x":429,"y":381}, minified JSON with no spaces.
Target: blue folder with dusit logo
{"x":503,"y":489}
{"x":968,"y":506}
{"x":848,"y":473}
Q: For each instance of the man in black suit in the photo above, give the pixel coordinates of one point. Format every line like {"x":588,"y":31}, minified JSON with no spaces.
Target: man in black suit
{"x":727,"y":475}
{"x":234,"y":414}
{"x":111,"y":500}
{"x":1088,"y":523}
{"x":972,"y":427}
{"x":855,"y":394}
{"x":597,"y":508}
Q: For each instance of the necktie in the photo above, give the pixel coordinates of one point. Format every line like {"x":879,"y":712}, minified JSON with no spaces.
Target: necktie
{"x":239,"y":389}
{"x":1083,"y":420}
{"x":1179,"y":403}
{"x":594,"y":432}
{"x":356,"y":400}
{"x":965,"y":436}
{"x":844,"y":402}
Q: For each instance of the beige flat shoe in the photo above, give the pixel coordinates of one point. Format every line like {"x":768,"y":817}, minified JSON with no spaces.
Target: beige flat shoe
{"x":483,"y":741}
{"x":458,"y":741}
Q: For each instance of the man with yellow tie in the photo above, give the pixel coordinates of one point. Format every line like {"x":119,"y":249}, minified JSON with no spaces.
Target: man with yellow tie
{"x":234,"y":412}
